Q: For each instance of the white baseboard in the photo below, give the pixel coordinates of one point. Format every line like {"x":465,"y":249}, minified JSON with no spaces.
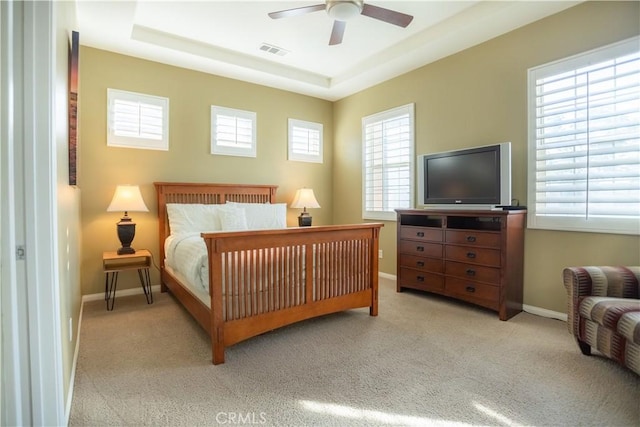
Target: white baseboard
{"x":387,"y":276}
{"x":543,"y":312}
{"x":538,"y":311}
{"x":74,"y":364}
{"x":122,"y":293}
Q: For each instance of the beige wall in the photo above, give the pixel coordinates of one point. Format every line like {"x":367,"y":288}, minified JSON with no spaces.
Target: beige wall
{"x":68,"y":201}
{"x":472,"y":98}
{"x":191,"y":95}
{"x":479,"y":97}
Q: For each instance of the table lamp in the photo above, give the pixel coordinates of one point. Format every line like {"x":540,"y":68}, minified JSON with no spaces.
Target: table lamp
{"x":127,"y":198}
{"x":304,"y":199}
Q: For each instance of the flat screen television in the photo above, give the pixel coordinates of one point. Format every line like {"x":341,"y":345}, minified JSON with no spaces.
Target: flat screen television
{"x":473,"y":178}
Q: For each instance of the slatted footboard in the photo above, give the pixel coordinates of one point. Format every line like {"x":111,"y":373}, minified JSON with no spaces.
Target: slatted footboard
{"x":266,"y":279}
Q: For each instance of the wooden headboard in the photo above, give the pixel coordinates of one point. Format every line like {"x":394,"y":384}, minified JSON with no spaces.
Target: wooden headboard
{"x":210,"y":194}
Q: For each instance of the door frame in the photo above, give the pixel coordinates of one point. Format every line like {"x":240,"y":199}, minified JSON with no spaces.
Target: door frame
{"x":32,"y":386}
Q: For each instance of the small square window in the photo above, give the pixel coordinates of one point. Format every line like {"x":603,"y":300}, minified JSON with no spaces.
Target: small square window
{"x":233,"y":132}
{"x":136,"y":120}
{"x":305,"y":141}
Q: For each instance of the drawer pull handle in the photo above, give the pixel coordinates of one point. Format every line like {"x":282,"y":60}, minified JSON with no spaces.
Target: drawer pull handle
{"x":420,"y":234}
{"x":470,"y":272}
{"x":471,"y":238}
{"x":420,"y":248}
{"x":471,"y":255}
{"x":420,"y":278}
{"x":420,"y":263}
{"x":470,"y":289}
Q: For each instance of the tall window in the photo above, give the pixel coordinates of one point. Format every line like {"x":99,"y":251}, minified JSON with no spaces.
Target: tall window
{"x":136,"y":120}
{"x":233,"y":132}
{"x":305,"y":141}
{"x":584,"y":141}
{"x":388,"y":162}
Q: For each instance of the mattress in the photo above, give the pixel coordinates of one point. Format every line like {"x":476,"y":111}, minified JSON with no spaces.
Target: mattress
{"x":197,"y":291}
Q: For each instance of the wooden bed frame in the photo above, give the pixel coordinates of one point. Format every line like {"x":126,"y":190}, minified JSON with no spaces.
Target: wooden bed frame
{"x":275,"y":277}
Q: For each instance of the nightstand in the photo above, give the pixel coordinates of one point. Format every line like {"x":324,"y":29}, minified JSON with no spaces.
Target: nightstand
{"x":112,"y":264}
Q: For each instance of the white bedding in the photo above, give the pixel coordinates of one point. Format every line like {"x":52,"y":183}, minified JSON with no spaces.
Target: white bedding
{"x":185,"y":251}
{"x":187,"y":254}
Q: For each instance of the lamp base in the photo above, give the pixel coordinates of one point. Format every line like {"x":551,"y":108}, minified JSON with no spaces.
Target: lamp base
{"x":126,"y":233}
{"x":126,"y":251}
{"x":304,"y":220}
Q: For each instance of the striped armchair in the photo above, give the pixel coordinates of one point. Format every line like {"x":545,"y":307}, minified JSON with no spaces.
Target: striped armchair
{"x":604,"y":311}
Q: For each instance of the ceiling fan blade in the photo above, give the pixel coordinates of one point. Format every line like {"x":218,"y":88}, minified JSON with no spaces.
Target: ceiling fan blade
{"x":386,"y":15}
{"x":337,"y":33}
{"x":297,"y":11}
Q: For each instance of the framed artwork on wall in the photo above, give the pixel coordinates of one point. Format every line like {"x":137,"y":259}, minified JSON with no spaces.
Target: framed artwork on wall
{"x":74,"y":51}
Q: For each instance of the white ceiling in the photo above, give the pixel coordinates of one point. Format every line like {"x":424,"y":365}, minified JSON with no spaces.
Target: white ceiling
{"x":224,"y":38}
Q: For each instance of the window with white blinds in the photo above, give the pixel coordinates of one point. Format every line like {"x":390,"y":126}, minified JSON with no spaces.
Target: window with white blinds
{"x":388,"y":162}
{"x":136,"y":120}
{"x":305,"y":141}
{"x":584,"y":142}
{"x":233,"y":132}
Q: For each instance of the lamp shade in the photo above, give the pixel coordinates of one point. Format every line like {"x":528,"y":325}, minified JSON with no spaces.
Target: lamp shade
{"x":127,"y":198}
{"x":305,"y":198}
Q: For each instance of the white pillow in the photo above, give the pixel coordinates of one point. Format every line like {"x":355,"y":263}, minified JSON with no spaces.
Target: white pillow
{"x":190,"y":218}
{"x":232,"y":218}
{"x":262,"y":216}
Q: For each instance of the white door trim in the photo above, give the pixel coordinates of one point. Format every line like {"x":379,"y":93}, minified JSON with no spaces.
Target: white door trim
{"x":15,"y":376}
{"x":33,"y":392}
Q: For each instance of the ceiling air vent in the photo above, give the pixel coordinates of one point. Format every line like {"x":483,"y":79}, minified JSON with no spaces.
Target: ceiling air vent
{"x":265,"y":47}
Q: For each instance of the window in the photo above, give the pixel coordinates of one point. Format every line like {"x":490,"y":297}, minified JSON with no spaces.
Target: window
{"x":233,"y":132}
{"x":305,"y":141}
{"x":584,"y":142}
{"x":136,"y":120}
{"x":388,"y":153}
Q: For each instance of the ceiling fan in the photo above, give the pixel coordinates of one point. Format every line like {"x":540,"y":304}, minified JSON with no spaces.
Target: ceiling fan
{"x":341,"y":11}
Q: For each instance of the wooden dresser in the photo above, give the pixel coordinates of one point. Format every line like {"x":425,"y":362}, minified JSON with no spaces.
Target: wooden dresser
{"x":475,"y":256}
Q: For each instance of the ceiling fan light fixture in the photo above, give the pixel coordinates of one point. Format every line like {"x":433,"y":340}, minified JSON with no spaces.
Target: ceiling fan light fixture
{"x":344,"y":10}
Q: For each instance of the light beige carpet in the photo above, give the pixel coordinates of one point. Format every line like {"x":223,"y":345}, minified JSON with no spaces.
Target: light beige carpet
{"x":424,"y":360}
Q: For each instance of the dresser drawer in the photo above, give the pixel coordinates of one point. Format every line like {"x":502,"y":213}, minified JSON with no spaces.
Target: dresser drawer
{"x":421,"y":233}
{"x":420,"y":279}
{"x":433,"y":265}
{"x":472,"y":290}
{"x":473,"y":255}
{"x":420,"y":249}
{"x":473,"y":272}
{"x":473,"y":238}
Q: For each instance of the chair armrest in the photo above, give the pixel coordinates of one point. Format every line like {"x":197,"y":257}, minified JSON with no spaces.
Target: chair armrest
{"x":603,"y":281}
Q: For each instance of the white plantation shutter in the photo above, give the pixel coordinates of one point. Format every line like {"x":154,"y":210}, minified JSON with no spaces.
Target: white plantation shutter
{"x":233,"y":132}
{"x":137,"y":120}
{"x":305,"y":141}
{"x":584,"y":162}
{"x":388,"y":152}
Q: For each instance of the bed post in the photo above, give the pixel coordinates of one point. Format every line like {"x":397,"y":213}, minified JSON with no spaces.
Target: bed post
{"x":162,"y":228}
{"x":375,"y":234}
{"x":215,"y":291}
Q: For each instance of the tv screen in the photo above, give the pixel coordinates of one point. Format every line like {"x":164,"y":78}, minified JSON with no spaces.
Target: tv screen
{"x":475,"y":176}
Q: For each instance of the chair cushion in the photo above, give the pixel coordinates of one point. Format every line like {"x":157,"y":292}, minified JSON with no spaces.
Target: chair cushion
{"x":607,"y":311}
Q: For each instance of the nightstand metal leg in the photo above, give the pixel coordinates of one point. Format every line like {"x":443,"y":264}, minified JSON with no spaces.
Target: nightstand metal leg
{"x":145,"y":281}
{"x":110,"y":289}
